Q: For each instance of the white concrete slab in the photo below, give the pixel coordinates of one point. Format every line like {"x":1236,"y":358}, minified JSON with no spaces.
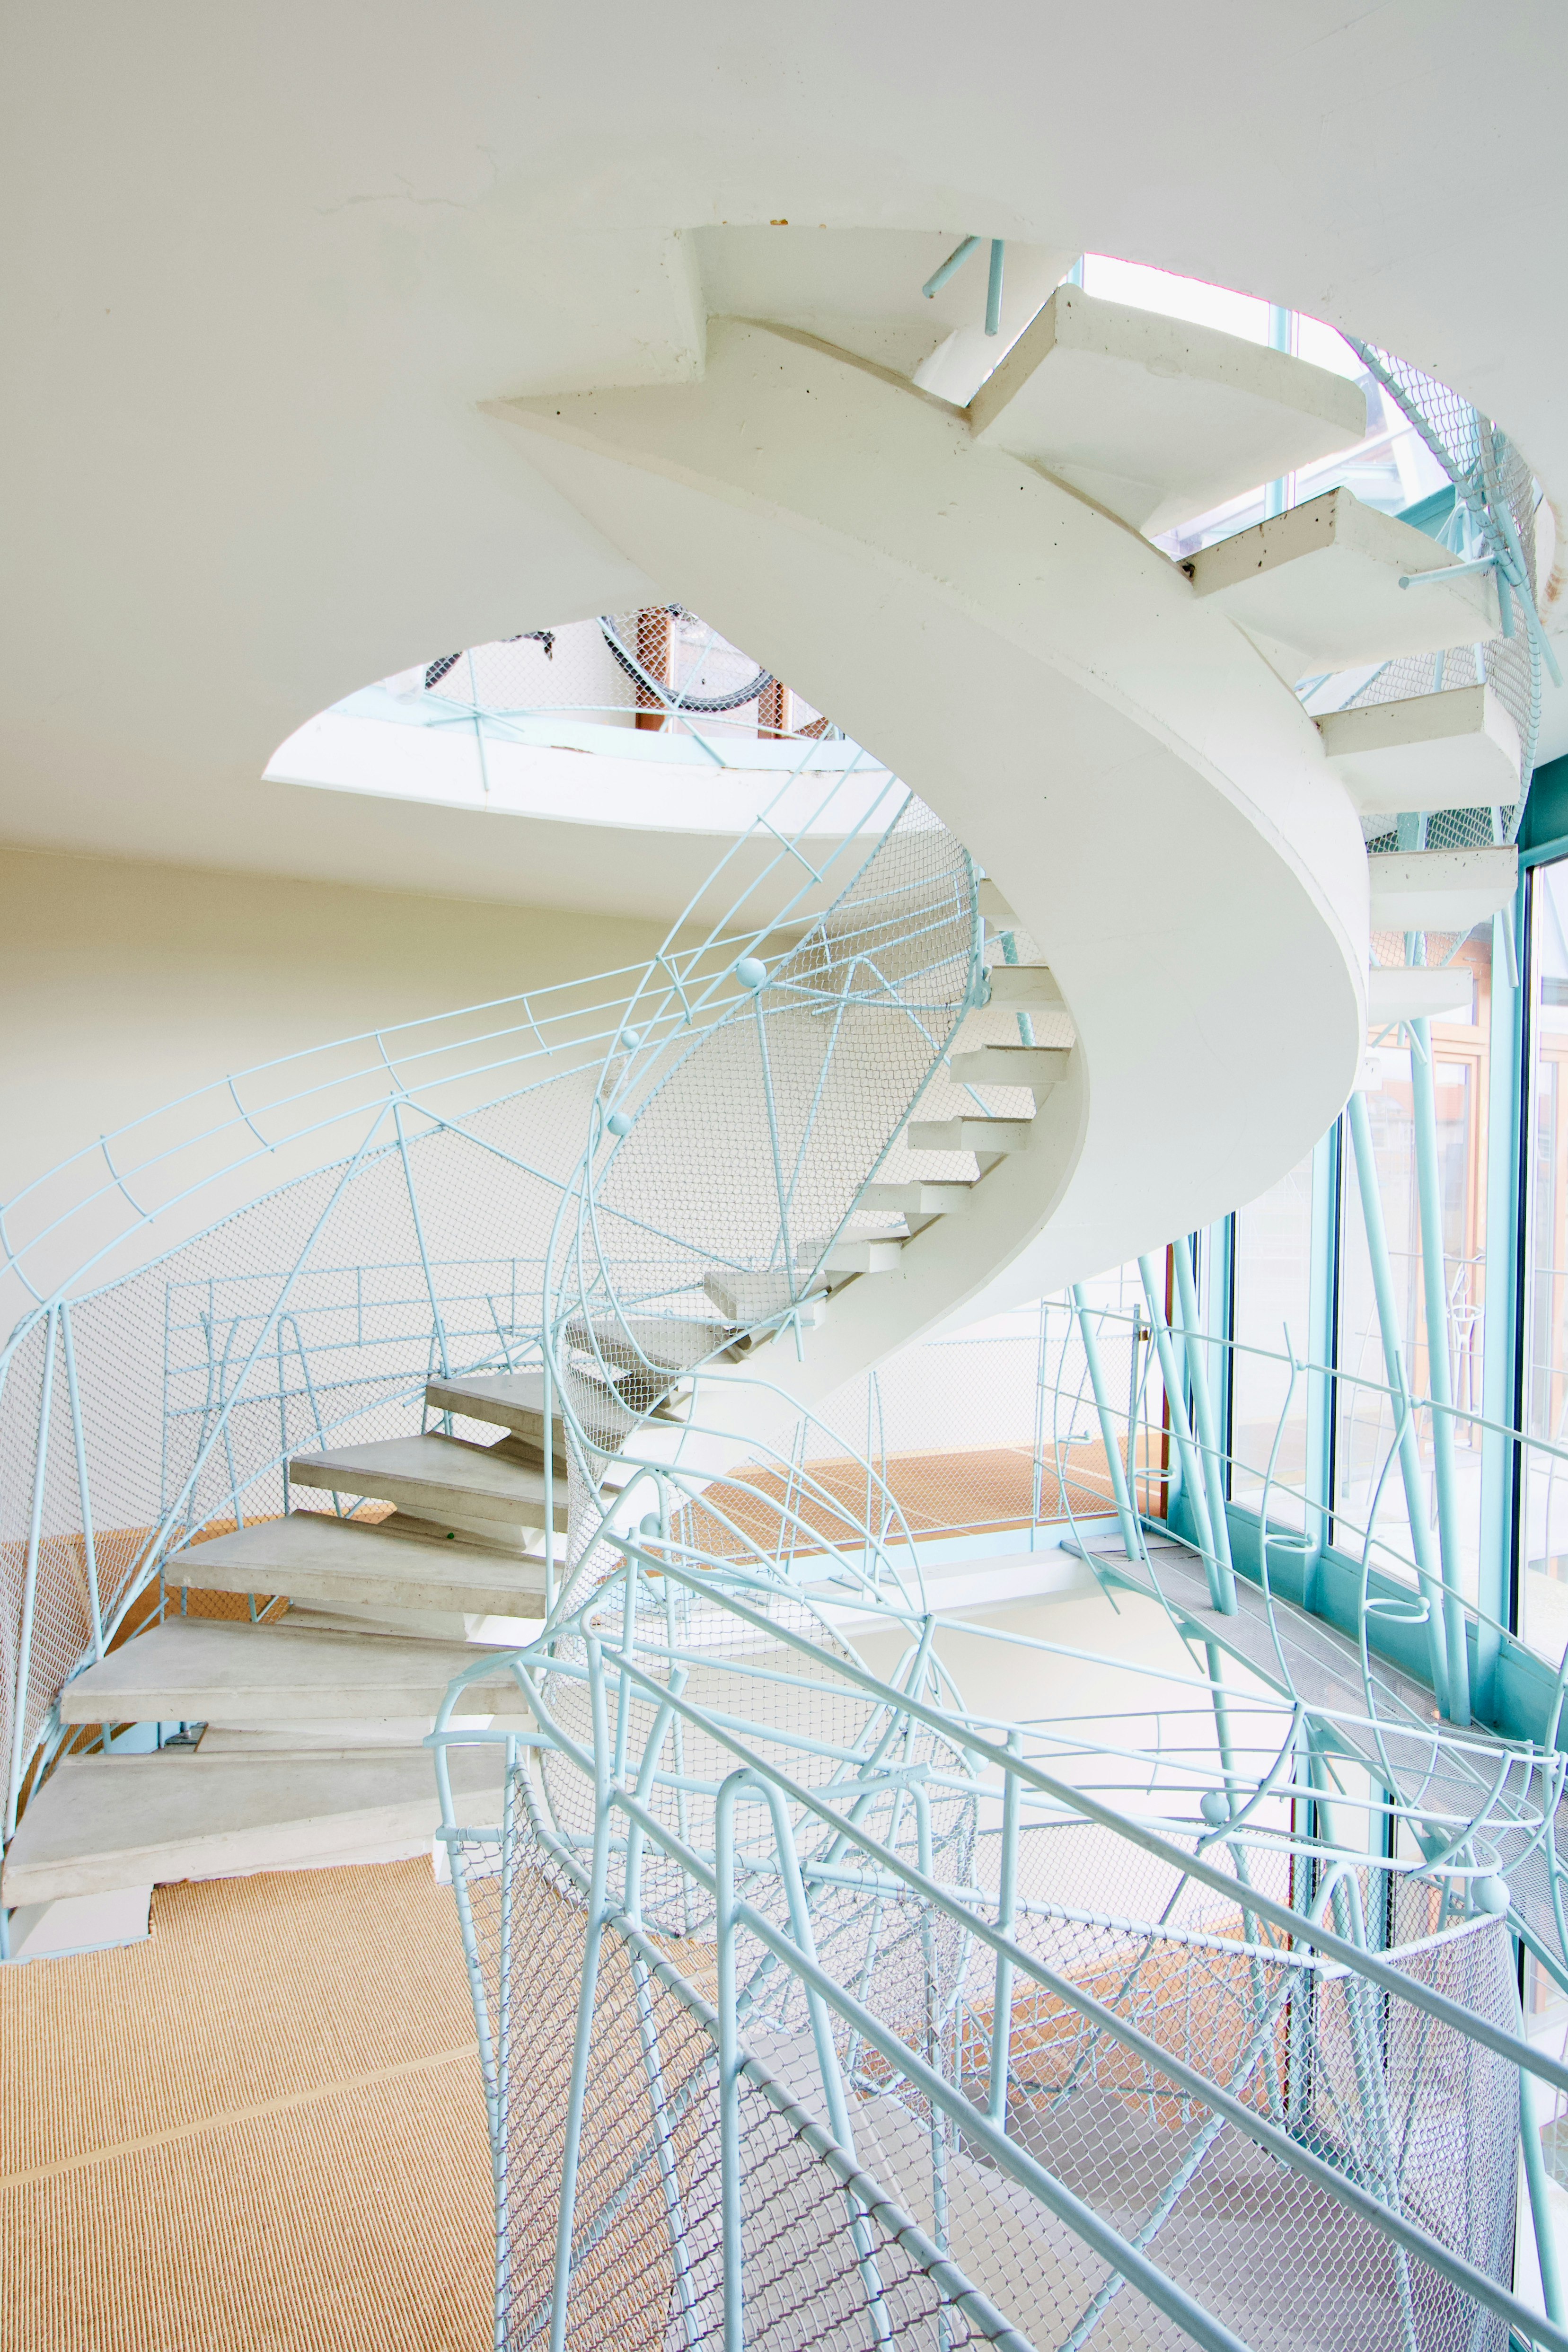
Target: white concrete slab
{"x":1155,"y":419}
{"x":1456,"y":749}
{"x":1042,"y":620}
{"x":1320,"y":585}
{"x":1440,"y":889}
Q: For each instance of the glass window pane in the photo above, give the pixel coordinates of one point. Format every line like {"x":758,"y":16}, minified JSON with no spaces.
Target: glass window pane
{"x":1273,"y":1291}
{"x":1543,"y":1578}
{"x":1368,"y":1485}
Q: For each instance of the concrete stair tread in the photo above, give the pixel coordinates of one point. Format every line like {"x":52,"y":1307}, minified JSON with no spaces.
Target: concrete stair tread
{"x":315,"y":1556}
{"x":432,"y":1474}
{"x":1038,"y":1067}
{"x":1455,"y":748}
{"x":866,"y":1253}
{"x":513,"y":1401}
{"x":917,"y":1200}
{"x":743,"y":1296}
{"x":1416,"y":991}
{"x":1440,"y":889}
{"x":672,"y":1346}
{"x":1322,"y":580}
{"x":473,"y":1629}
{"x":1024,"y":987}
{"x":996,"y":909}
{"x":970,"y":1134}
{"x":213,"y":1670}
{"x":1156,"y":418}
{"x":103,"y":1822}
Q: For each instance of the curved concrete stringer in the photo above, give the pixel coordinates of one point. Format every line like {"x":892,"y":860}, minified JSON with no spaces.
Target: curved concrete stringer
{"x":1147,"y":793}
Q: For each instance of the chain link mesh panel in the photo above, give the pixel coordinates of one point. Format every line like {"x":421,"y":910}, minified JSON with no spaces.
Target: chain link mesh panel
{"x":1137,"y":2039}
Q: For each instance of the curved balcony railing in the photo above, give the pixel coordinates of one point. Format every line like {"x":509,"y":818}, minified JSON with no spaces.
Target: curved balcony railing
{"x":793,"y":1977}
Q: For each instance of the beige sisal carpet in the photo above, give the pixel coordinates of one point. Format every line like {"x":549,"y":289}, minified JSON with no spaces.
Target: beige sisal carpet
{"x":264,"y":2128}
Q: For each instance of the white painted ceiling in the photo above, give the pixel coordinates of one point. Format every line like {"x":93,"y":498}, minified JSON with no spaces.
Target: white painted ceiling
{"x":264,"y":270}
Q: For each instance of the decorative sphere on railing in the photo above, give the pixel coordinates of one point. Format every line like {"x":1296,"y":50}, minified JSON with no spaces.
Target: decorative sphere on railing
{"x":629,"y":1039}
{"x":649,"y":1526}
{"x":751,"y":972}
{"x":620,"y":1122}
{"x":1489,"y":1894}
{"x":1214,"y":1807}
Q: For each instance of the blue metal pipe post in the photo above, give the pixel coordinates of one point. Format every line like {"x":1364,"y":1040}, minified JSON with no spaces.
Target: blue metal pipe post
{"x":1124,"y":1511}
{"x":1424,"y":1103}
{"x":1203,"y":1414}
{"x":1394,"y":1373}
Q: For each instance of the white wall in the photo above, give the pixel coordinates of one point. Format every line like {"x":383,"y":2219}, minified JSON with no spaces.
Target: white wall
{"x":123,"y":984}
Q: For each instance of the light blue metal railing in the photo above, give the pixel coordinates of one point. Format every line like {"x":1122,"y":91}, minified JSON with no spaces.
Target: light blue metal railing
{"x":815,"y":1950}
{"x":401,"y":1158}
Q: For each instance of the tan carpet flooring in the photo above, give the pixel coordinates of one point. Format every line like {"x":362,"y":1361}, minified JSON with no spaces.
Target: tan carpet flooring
{"x":264,"y":2128}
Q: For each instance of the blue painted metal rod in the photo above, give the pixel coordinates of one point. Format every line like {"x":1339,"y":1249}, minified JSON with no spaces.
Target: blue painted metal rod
{"x":1016,"y":2162}
{"x":30,"y":1571}
{"x":1449,"y":571}
{"x":1007,"y":1896}
{"x":1468,"y":2022}
{"x":993,"y":288}
{"x":1439,"y":1375}
{"x":1394,"y":1366}
{"x":1220,"y":1597}
{"x":732,"y":2225}
{"x":1202,"y":1413}
{"x":1540,"y":2199}
{"x":84,"y":1490}
{"x":1131,"y":1542}
{"x":1010,"y":955}
{"x":928,"y":2254}
{"x":1009,"y":2156}
{"x":587,"y":1992}
{"x":954,"y":262}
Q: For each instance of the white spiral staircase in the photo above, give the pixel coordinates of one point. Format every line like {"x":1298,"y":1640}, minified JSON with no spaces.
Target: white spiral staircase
{"x":1173,"y":864}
